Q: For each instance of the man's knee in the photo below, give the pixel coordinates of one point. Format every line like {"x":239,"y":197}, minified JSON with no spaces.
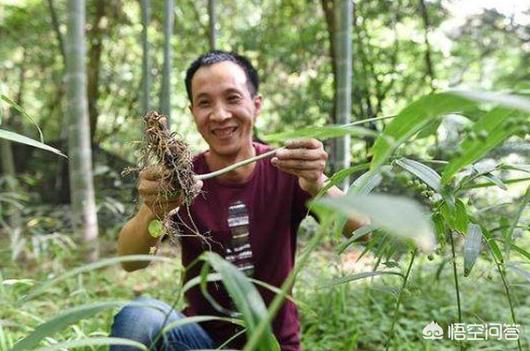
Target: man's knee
{"x":141,"y":320}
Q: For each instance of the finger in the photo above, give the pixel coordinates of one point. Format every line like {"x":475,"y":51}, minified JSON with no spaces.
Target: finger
{"x":309,"y":143}
{"x":154,"y":172}
{"x":296,"y":164}
{"x":302,"y":154}
{"x":153,"y":187}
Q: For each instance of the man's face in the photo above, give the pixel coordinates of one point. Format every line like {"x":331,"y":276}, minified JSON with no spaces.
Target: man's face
{"x":223,"y":108}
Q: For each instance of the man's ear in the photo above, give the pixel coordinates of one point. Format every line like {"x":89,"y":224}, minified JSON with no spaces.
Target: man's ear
{"x":258,"y":100}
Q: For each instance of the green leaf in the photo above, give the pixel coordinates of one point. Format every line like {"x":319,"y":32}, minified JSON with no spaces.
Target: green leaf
{"x":524,"y":202}
{"x":6,"y":134}
{"x":472,"y":246}
{"x":399,"y":216}
{"x":495,"y":180}
{"x":356,"y":235}
{"x":511,"y":101}
{"x":492,"y":124}
{"x":246,"y":298}
{"x":517,"y":167}
{"x":521,"y":251}
{"x":460,"y":217}
{"x":339,"y":177}
{"x":428,"y":175}
{"x":412,"y":119}
{"x":21,"y":110}
{"x":321,"y":133}
{"x":96,"y":341}
{"x":93,"y":266}
{"x":357,"y":276}
{"x":494,"y":248}
{"x":439,"y":228}
{"x":64,"y":320}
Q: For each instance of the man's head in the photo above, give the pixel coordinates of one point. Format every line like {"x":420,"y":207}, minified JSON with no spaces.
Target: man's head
{"x":217,"y":56}
{"x":222,"y":89}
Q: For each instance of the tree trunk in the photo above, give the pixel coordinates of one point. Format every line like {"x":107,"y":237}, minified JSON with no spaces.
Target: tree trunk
{"x":343,"y":45}
{"x":165,"y":94}
{"x":146,"y":61}
{"x":81,"y":179}
{"x":212,"y":21}
{"x":94,"y":61}
{"x":428,"y":59}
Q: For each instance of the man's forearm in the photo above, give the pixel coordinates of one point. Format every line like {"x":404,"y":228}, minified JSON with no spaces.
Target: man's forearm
{"x":134,"y":238}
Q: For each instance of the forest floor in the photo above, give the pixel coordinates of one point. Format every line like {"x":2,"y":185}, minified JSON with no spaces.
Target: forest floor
{"x":353,"y":316}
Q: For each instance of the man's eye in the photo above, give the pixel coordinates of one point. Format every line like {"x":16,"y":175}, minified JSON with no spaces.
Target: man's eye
{"x":203,"y":103}
{"x":233,"y":99}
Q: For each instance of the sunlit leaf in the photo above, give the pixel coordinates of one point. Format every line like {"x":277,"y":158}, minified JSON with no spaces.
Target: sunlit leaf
{"x":93,"y":266}
{"x":473,"y":148}
{"x":95,"y":341}
{"x":396,"y":215}
{"x":19,"y":108}
{"x":494,"y":248}
{"x":8,"y":135}
{"x":412,"y":119}
{"x":321,"y":133}
{"x":472,"y":246}
{"x":246,"y":298}
{"x":356,"y":235}
{"x":64,"y":320}
{"x":428,"y":175}
{"x":354,"y":277}
{"x":501,"y":99}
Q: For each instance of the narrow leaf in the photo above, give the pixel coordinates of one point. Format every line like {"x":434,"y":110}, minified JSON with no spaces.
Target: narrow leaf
{"x":6,"y":134}
{"x":357,"y":276}
{"x":494,"y":248}
{"x":96,"y":341}
{"x":93,"y":266}
{"x":356,"y":235}
{"x":472,"y":247}
{"x":64,"y":320}
{"x":460,"y":217}
{"x":474,"y":148}
{"x":246,"y":298}
{"x":412,"y":119}
{"x":428,"y":175}
{"x":396,"y":215}
{"x":321,"y":133}
{"x":24,"y":113}
{"x":507,"y":100}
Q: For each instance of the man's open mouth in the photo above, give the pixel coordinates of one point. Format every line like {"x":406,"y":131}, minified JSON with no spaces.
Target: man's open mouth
{"x":224,"y":132}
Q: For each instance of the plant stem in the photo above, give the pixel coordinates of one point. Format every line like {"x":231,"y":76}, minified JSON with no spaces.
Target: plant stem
{"x":398,"y":301}
{"x":457,"y":288}
{"x":236,"y":165}
{"x":500,"y":268}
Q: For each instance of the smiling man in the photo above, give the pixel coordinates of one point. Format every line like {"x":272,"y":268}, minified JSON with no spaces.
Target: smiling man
{"x":249,"y":216}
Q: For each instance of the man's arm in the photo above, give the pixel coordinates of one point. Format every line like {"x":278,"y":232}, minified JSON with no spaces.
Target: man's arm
{"x":134,"y":238}
{"x":306,"y":158}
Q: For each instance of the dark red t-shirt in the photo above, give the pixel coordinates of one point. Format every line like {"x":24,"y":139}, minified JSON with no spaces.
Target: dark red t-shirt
{"x":275,"y":206}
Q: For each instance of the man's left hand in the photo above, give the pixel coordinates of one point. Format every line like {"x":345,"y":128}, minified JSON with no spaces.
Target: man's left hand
{"x":306,"y":159}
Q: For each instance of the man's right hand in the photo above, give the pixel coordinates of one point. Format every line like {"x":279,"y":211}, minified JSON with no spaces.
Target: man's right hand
{"x":157,"y":193}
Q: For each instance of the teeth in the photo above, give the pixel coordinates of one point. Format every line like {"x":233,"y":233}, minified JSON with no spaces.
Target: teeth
{"x":224,"y":132}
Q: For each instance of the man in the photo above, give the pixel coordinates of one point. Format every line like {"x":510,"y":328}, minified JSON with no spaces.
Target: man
{"x":249,"y":215}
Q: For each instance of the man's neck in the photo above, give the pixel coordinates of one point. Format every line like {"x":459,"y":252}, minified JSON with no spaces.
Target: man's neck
{"x":239,"y":175}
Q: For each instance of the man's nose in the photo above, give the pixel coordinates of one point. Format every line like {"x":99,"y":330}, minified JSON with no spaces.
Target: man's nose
{"x":220,"y":113}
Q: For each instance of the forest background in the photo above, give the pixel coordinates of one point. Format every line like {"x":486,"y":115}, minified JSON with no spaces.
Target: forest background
{"x":136,"y":55}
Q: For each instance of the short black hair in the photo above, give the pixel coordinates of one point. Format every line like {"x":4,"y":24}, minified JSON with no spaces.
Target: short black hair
{"x":216,"y":56}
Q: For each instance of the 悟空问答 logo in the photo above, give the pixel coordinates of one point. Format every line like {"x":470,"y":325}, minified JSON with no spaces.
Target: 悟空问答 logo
{"x":433,"y":331}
